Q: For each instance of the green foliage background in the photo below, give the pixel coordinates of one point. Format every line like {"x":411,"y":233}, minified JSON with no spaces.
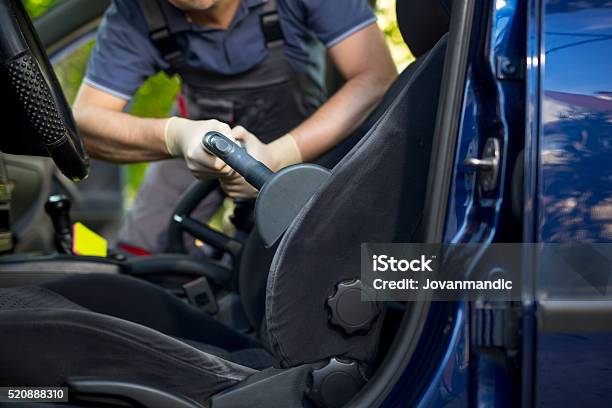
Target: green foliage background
{"x":156,"y":96}
{"x":37,"y":8}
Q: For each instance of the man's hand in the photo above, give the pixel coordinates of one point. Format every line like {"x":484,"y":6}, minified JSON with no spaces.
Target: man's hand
{"x":235,"y":186}
{"x":183,"y":139}
{"x":277,"y":155}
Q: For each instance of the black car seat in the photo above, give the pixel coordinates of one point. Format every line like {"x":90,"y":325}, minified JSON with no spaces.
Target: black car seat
{"x":315,"y":323}
{"x":422,"y":25}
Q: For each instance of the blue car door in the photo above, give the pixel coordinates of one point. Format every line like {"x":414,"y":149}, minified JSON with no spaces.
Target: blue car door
{"x":569,"y":200}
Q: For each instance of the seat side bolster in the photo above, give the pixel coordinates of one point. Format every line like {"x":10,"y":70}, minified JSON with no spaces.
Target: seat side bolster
{"x":70,"y":343}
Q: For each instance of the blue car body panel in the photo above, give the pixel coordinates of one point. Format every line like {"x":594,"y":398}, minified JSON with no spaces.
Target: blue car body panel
{"x":557,"y":112}
{"x":575,"y":183}
{"x":575,"y":188}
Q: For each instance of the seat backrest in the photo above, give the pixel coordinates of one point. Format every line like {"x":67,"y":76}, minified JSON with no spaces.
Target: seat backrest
{"x":423,"y":23}
{"x":375,"y":194}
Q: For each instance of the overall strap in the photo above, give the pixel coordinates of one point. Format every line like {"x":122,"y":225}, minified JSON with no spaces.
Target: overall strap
{"x":270,"y":25}
{"x":159,"y":31}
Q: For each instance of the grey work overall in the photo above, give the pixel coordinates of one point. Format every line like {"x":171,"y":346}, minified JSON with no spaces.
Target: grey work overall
{"x":269,"y":100}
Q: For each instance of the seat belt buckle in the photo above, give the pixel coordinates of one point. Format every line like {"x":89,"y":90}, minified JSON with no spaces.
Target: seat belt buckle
{"x":199,"y":293}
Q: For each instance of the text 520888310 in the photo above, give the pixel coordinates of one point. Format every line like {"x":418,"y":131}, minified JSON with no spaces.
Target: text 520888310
{"x":33,"y":394}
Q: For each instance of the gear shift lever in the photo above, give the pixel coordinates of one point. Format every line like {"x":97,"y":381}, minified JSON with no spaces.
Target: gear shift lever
{"x":58,"y":208}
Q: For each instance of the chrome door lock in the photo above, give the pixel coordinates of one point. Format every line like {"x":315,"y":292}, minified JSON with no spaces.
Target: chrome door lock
{"x":487,"y":166}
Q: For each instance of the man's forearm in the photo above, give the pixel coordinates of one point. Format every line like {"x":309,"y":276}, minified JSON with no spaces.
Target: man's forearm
{"x":340,"y":115}
{"x":120,"y":137}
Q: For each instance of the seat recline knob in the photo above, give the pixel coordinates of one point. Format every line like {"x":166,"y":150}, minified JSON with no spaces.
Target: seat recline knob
{"x":352,"y":307}
{"x":335,"y":384}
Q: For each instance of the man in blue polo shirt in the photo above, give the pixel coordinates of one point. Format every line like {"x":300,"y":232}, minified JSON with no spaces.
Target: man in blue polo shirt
{"x":253,"y":69}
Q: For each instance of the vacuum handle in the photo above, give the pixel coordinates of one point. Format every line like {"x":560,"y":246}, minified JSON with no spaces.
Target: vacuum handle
{"x":255,"y":172}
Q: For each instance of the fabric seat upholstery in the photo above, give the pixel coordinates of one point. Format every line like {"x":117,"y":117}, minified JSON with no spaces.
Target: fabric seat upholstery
{"x":46,"y":338}
{"x":375,"y":194}
{"x":147,"y":304}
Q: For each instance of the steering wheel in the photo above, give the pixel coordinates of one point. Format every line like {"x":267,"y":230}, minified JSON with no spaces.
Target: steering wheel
{"x":30,"y":79}
{"x":181,"y":222}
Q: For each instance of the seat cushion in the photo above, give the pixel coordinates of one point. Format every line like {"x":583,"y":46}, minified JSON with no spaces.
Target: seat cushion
{"x":33,"y":297}
{"x":147,"y":304}
{"x":46,"y":339}
{"x":257,"y":358}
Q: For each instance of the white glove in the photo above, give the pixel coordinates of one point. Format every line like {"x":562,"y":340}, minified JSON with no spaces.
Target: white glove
{"x":276,"y":155}
{"x":183,"y":139}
